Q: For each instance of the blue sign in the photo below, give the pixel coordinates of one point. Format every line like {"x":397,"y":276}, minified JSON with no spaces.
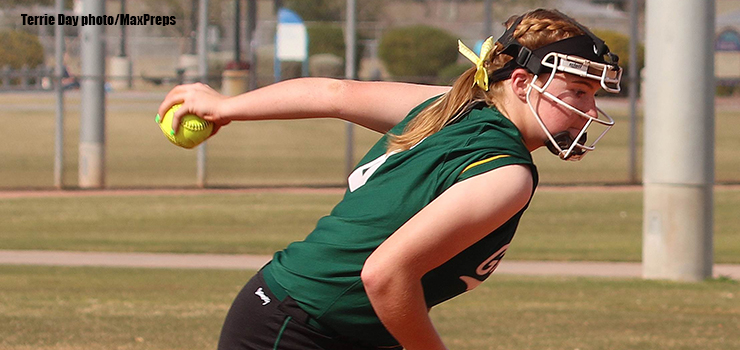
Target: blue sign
{"x":727,"y":40}
{"x":291,"y":41}
{"x":288,"y":16}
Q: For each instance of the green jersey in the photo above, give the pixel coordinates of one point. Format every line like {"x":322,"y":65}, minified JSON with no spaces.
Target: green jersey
{"x":322,"y":273}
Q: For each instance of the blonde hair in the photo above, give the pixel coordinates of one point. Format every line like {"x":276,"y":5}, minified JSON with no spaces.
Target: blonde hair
{"x":537,"y":28}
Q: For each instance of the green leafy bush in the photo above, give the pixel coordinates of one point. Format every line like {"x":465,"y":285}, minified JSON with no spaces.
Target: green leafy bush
{"x":325,"y":38}
{"x":329,"y":39}
{"x":449,"y":74}
{"x":20,"y":48}
{"x":417,"y":51}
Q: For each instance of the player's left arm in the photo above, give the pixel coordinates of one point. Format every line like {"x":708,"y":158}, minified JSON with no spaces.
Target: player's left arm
{"x":461,"y":216}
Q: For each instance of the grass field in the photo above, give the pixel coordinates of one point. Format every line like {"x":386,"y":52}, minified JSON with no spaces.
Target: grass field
{"x":263,"y":153}
{"x":560,"y":225}
{"x":55,"y":308}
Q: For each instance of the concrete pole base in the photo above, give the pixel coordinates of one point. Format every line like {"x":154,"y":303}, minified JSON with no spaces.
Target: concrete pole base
{"x":120,"y":73}
{"x":189,"y":64}
{"x":234,"y":82}
{"x":677,"y":232}
{"x":92,"y":165}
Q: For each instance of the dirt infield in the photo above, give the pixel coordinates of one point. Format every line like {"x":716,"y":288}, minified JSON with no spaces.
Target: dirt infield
{"x":253,"y":262}
{"x":66,"y":193}
{"x":216,"y":261}
{"x":74,"y":192}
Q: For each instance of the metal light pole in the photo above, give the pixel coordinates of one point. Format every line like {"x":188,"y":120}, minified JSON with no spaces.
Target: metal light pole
{"x":237,"y":30}
{"x":634,"y":78}
{"x":203,"y":72}
{"x":193,"y":27}
{"x":122,"y":43}
{"x":252,"y":49}
{"x":59,"y":92}
{"x":92,"y":119}
{"x":487,"y":19}
{"x":679,"y":140}
{"x":350,"y":72}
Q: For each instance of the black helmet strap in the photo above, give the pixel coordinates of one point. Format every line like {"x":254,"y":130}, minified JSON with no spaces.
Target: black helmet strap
{"x":587,"y":46}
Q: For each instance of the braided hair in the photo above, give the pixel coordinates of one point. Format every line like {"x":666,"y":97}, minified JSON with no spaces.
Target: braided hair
{"x":536,"y":29}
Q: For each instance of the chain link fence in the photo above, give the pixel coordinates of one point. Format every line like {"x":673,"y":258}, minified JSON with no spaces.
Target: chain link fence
{"x":299,"y":153}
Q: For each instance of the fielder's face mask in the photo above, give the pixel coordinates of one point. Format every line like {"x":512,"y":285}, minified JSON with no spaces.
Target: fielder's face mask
{"x":585,"y":56}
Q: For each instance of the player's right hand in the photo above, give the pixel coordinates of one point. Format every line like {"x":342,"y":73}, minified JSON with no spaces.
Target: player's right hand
{"x":199,"y":99}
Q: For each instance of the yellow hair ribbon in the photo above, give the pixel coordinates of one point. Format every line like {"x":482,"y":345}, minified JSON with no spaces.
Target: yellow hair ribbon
{"x":481,"y":75}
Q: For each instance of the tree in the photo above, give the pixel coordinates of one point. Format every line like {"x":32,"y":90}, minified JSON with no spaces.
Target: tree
{"x":20,"y":49}
{"x":417,"y":51}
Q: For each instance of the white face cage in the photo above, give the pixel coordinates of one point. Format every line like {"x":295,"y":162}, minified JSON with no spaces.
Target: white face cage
{"x":609,"y":78}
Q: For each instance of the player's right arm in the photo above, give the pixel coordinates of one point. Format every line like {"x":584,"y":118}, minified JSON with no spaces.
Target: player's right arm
{"x":459,"y":217}
{"x":375,"y":105}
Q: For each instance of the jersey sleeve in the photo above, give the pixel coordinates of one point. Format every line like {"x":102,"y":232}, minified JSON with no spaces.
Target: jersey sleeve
{"x":483,"y":154}
{"x":488,"y":162}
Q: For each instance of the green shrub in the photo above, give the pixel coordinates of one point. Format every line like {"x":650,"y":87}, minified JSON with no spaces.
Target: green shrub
{"x":317,"y":10}
{"x":325,"y":38}
{"x":417,"y":51}
{"x":329,"y":39}
{"x":724,"y":90}
{"x":20,"y":48}
{"x":620,"y":44}
{"x":449,"y":74}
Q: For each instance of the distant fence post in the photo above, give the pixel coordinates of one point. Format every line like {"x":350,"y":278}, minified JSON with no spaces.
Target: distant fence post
{"x":6,"y":76}
{"x":24,"y":77}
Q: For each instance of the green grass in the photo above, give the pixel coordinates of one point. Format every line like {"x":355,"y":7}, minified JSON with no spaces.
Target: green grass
{"x":230,"y":223}
{"x":56,"y":308}
{"x":572,"y":225}
{"x":93,"y":308}
{"x":263,"y":153}
{"x":579,"y":313}
{"x":582,"y":225}
{"x":138,"y":155}
{"x":607,"y":226}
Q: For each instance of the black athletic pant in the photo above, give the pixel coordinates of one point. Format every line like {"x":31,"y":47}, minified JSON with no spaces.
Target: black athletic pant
{"x":257,"y":320}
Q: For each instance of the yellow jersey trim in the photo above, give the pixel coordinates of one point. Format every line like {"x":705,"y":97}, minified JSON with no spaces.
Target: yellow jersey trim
{"x":484,"y":161}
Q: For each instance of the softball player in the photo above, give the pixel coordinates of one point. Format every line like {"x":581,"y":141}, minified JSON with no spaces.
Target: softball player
{"x":431,"y":209}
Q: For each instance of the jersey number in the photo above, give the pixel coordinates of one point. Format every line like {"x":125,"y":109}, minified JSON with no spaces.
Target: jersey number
{"x":360,"y":176}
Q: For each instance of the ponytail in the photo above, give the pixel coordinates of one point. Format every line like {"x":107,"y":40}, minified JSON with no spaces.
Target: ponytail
{"x":439,"y":113}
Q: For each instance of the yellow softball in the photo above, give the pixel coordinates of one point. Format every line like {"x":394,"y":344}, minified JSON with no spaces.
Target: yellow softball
{"x":193,"y":129}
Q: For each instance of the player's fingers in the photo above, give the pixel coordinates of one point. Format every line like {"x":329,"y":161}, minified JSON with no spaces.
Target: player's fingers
{"x":193,"y":97}
{"x":178,"y":115}
{"x":179,"y":94}
{"x":185,"y":97}
{"x":173,"y":97}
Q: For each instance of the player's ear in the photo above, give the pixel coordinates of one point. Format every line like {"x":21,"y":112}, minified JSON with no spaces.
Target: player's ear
{"x":520,"y":80}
